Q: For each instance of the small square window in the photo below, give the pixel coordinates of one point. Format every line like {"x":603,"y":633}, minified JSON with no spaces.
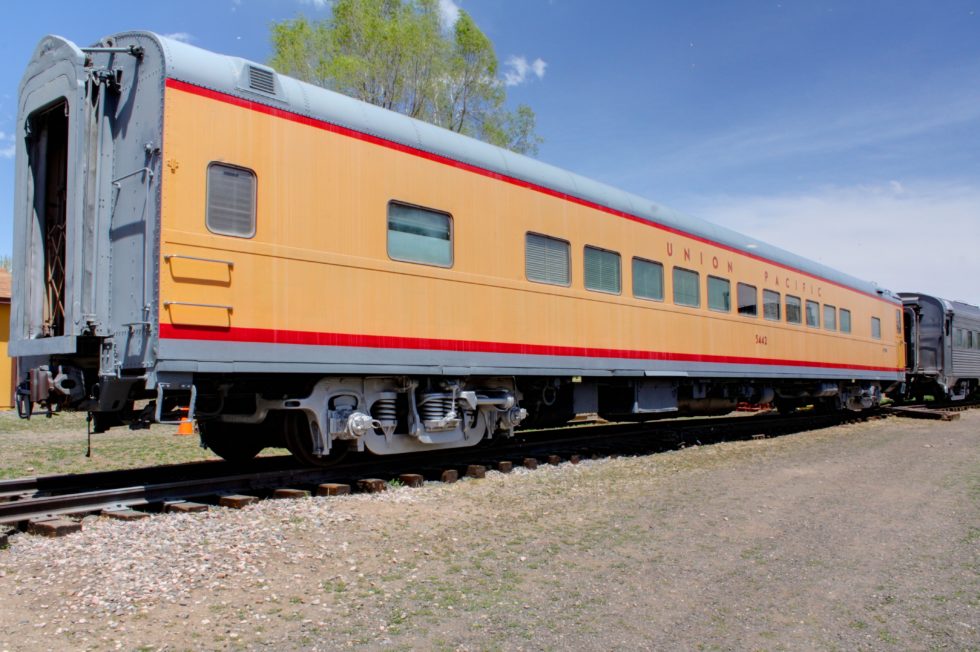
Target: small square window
{"x":420,"y":235}
{"x":602,"y":271}
{"x":719,"y":294}
{"x":687,"y":288}
{"x":748,"y":300}
{"x":648,"y":279}
{"x":845,"y":320}
{"x":771,"y":305}
{"x":813,"y":314}
{"x":794,"y":310}
{"x":230,"y":200}
{"x":546,"y":260}
{"x":830,"y":318}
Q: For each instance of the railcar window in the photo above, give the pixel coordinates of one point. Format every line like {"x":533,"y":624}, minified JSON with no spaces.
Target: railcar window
{"x":898,"y":322}
{"x":420,"y":235}
{"x":546,"y":260}
{"x":830,"y":318}
{"x":957,"y":337}
{"x":876,"y":328}
{"x":813,"y":314}
{"x":687,"y":288}
{"x":969,"y":339}
{"x":845,"y":320}
{"x":648,"y":279}
{"x":770,"y":305}
{"x":748,"y":300}
{"x":719,"y":294}
{"x":230,"y":201}
{"x":602,"y":271}
{"x":794,"y":310}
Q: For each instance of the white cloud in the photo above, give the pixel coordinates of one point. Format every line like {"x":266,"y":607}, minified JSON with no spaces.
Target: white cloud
{"x":518,"y":69}
{"x":448,"y":13}
{"x":907,"y":237}
{"x":317,"y":4}
{"x":7,"y":148}
{"x":803,"y":132}
{"x":184,"y":37}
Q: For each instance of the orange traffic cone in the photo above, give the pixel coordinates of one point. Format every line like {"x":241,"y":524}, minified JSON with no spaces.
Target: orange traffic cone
{"x":186,"y":426}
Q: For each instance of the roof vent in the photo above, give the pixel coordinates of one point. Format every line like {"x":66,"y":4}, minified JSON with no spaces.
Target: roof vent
{"x":262,"y":80}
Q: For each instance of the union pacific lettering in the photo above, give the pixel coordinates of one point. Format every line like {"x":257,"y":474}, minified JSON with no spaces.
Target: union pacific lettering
{"x":698,"y":256}
{"x":789,"y":282}
{"x":781,"y":280}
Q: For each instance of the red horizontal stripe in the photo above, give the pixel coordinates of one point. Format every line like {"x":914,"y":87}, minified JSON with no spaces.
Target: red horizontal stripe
{"x":274,"y":336}
{"x":351,"y":133}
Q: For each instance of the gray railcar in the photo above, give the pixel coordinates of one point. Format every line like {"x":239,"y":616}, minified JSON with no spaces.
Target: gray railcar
{"x":942,"y":346}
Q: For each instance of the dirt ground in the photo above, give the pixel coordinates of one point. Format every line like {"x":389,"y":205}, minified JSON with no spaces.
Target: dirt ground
{"x":857,"y":537}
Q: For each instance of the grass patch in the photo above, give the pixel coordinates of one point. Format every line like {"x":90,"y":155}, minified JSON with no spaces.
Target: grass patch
{"x":43,"y":446}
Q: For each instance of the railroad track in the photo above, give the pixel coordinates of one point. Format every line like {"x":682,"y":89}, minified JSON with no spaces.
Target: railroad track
{"x":941,"y":411}
{"x":43,"y":505}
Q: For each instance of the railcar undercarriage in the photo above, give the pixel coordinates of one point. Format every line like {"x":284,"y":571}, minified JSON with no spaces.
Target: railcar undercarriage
{"x":321,"y":418}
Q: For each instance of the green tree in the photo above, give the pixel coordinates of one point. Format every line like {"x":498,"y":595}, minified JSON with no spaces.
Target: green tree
{"x":396,"y":54}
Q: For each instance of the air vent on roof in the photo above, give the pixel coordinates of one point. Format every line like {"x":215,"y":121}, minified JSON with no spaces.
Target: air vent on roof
{"x":262,"y":80}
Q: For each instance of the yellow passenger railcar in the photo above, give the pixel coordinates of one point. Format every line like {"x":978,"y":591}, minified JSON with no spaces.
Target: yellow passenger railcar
{"x":292,"y":262}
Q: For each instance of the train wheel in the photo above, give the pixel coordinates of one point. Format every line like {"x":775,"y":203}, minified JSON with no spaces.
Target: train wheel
{"x":234,"y":442}
{"x":299,"y":441}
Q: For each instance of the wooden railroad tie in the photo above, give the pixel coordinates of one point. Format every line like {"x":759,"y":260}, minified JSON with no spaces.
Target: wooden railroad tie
{"x":237,"y":501}
{"x":333,"y":489}
{"x":449,"y":476}
{"x":372,"y":485}
{"x":413,"y":480}
{"x":184,"y":507}
{"x":124,"y":514}
{"x":290,"y":494}
{"x":54,"y":527}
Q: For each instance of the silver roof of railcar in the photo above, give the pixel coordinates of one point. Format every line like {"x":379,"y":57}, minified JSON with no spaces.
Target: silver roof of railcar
{"x":228,"y":74}
{"x":956,"y":307}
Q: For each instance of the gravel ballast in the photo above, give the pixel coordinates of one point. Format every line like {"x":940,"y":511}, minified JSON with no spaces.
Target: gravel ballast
{"x":857,"y":537}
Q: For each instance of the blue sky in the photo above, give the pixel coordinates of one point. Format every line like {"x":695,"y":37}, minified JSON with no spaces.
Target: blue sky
{"x":845,"y":131}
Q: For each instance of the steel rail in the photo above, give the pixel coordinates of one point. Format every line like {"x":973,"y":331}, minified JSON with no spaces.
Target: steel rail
{"x":89,"y":493}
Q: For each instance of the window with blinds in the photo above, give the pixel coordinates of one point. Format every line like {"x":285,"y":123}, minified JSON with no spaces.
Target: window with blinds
{"x":719,"y":294}
{"x":748,"y":300}
{"x":813,"y":314}
{"x":602,"y":272}
{"x":230,"y":201}
{"x":770,"y":305}
{"x":687,"y":287}
{"x":845,"y":320}
{"x":648,"y":279}
{"x":546,"y":260}
{"x":420,"y":235}
{"x":830,"y":317}
{"x":794,"y":310}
